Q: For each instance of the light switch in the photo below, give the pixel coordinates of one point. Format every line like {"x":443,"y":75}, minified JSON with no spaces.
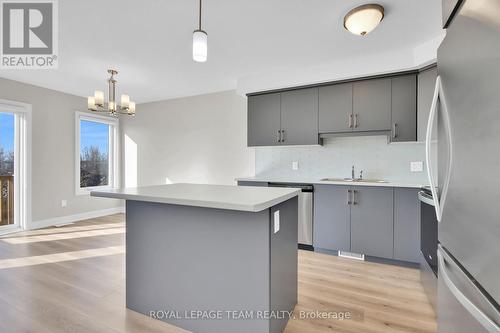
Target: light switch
{"x":417,"y":166}
{"x":295,"y":165}
{"x":276,"y":221}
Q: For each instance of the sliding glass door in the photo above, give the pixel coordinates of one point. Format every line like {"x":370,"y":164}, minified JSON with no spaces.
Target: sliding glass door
{"x":8,"y":166}
{"x":15,"y":166}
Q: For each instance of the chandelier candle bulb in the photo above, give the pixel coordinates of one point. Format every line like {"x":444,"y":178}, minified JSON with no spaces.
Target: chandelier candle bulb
{"x":111,"y":106}
{"x":91,"y":103}
{"x":125,"y":101}
{"x":131,"y":108}
{"x":99,"y":98}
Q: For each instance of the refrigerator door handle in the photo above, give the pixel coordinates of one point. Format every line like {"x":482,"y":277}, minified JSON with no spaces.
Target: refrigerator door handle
{"x":438,"y":201}
{"x":479,"y":315}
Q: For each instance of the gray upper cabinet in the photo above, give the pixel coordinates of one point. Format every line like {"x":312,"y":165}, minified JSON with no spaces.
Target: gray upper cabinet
{"x":332,"y":225}
{"x":264,"y":119}
{"x":372,"y":105}
{"x":372,"y":226}
{"x":404,"y":108}
{"x":426,"y":85}
{"x":335,"y":108}
{"x":299,"y":117}
{"x":406,"y":225}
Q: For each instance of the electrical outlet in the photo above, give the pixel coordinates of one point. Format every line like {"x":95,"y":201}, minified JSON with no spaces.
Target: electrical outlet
{"x":295,"y":165}
{"x":276,"y":221}
{"x":417,"y":166}
{"x":64,"y":203}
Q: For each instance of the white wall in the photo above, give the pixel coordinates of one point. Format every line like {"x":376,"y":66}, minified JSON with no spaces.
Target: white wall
{"x":53,"y":154}
{"x":200,"y":139}
{"x":335,"y":158}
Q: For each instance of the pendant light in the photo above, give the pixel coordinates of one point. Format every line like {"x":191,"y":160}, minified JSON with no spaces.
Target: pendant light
{"x":363,"y":19}
{"x":200,"y":40}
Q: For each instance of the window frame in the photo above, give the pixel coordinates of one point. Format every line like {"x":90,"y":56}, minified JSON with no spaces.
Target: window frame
{"x":113,"y":151}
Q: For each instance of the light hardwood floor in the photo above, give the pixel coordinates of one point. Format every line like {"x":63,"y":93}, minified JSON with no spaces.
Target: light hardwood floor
{"x":71,"y":279}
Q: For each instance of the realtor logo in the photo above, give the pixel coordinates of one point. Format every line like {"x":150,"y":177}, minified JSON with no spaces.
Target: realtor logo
{"x":28,"y":34}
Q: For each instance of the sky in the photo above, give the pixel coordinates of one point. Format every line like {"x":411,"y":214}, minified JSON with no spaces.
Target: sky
{"x":94,"y":134}
{"x":7,"y":131}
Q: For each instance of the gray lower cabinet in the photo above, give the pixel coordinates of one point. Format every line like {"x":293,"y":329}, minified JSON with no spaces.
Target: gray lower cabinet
{"x":406,"y":225}
{"x":299,"y":117}
{"x":426,"y":85}
{"x":335,"y":108}
{"x":332,"y":217}
{"x":372,"y":105}
{"x":264,"y":119}
{"x":375,"y":221}
{"x":372,"y":221}
{"x":404,"y":108}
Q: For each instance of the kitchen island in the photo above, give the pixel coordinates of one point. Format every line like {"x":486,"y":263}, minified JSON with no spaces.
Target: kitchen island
{"x":211,"y":258}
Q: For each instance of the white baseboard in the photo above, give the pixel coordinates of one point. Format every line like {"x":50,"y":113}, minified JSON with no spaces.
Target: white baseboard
{"x":74,"y":218}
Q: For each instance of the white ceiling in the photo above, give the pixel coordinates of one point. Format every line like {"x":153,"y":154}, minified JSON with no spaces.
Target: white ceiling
{"x":149,"y":42}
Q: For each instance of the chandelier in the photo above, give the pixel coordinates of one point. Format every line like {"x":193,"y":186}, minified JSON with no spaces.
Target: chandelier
{"x":96,"y":103}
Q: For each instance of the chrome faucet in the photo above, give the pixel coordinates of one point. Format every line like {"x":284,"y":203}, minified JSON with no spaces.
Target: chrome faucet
{"x":352,"y":173}
{"x":361,"y":175}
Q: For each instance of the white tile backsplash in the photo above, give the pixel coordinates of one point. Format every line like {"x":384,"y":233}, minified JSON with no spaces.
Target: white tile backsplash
{"x":372,"y":154}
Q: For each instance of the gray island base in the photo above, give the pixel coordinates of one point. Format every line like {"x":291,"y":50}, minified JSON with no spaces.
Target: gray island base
{"x":206,"y":267}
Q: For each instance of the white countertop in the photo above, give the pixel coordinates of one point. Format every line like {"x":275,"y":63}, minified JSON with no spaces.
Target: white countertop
{"x":324,"y":182}
{"x":250,"y":199}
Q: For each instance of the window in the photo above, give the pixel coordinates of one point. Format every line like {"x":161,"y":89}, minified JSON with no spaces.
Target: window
{"x":96,"y":152}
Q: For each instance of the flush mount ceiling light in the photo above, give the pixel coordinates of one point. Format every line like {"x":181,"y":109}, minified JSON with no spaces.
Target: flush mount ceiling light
{"x":363,"y":19}
{"x":96,"y":103}
{"x":200,"y":42}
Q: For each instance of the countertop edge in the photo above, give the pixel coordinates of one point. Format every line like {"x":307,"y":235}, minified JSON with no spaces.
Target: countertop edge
{"x":197,"y":203}
{"x":323,"y":182}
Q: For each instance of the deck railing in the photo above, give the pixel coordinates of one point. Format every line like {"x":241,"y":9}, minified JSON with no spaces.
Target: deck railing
{"x":6,"y":199}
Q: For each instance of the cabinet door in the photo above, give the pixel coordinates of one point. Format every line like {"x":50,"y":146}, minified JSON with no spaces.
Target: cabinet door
{"x":332,"y":227}
{"x":404,"y":108}
{"x":372,"y":105}
{"x":299,"y":117}
{"x":426,"y":84}
{"x":335,"y":108}
{"x":263,"y":120}
{"x":372,"y":221}
{"x":406,"y":225}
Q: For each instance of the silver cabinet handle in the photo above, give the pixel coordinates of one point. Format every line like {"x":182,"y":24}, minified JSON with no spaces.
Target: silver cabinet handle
{"x":278,"y":136}
{"x":394,"y":130}
{"x":349,"y":197}
{"x":350,"y":120}
{"x":354,"y":197}
{"x":356,"y":116}
{"x":282,"y":135}
{"x":480,"y":316}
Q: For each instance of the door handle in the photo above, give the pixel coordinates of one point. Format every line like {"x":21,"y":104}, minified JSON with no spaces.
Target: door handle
{"x":394,"y":130}
{"x":349,"y":197}
{"x":476,"y":312}
{"x":356,"y":120}
{"x":354,"y":197}
{"x":438,"y":201}
{"x":350,"y":120}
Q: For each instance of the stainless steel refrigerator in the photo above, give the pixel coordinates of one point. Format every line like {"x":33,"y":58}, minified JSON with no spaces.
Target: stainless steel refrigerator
{"x":467,"y":185}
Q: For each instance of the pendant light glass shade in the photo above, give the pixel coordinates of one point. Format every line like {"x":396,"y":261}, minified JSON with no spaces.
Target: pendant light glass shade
{"x":200,"y":46}
{"x":363,"y":19}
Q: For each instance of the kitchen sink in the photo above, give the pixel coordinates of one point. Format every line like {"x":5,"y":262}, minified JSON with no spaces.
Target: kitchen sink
{"x":350,"y":180}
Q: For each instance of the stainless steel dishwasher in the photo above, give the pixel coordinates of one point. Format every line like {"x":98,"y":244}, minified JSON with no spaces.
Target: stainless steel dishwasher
{"x":305,"y":220}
